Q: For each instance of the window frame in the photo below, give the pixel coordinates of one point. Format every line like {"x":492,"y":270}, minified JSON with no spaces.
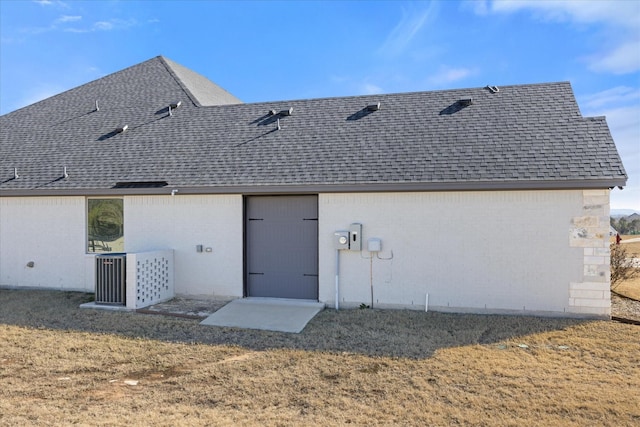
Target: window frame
{"x":90,"y":244}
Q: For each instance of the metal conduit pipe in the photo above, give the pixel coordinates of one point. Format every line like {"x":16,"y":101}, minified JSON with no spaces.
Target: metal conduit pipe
{"x":337,"y":278}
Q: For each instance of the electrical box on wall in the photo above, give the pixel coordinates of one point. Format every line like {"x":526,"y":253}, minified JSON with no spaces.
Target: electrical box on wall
{"x":341,"y":240}
{"x":374,"y":245}
{"x":355,"y":237}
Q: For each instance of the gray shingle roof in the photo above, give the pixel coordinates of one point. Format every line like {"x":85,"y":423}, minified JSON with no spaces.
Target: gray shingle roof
{"x":522,"y":137}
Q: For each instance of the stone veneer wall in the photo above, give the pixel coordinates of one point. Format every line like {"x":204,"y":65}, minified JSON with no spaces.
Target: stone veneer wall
{"x":590,"y":231}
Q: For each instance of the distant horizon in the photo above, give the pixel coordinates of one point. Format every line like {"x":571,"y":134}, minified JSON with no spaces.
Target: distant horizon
{"x":624,"y":212}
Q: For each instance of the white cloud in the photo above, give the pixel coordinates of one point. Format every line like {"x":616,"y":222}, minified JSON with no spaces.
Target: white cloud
{"x":623,"y":59}
{"x":621,"y":106}
{"x":76,"y":30}
{"x":115,"y":24}
{"x":55,"y":25}
{"x":405,"y":31}
{"x":626,"y":198}
{"x":10,"y":40}
{"x":370,"y":89}
{"x":624,"y":123}
{"x":37,"y":93}
{"x":447,"y":75}
{"x":103,"y":25}
{"x":479,"y":7}
{"x":51,"y":3}
{"x":614,"y":96}
{"x":67,"y":18}
{"x":110,"y":25}
{"x":338,"y":79}
{"x":614,"y":12}
{"x":37,"y":30}
{"x":620,"y":20}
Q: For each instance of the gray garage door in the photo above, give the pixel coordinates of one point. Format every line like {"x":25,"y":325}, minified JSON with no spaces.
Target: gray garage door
{"x":282,"y":246}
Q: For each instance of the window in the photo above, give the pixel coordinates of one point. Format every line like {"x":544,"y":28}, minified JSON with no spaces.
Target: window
{"x":105,"y":225}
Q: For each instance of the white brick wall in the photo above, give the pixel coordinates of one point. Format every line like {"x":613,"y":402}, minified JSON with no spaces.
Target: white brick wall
{"x":51,"y":232}
{"x":482,"y":251}
{"x":516,"y":251}
{"x":48,"y":231}
{"x":181,"y":223}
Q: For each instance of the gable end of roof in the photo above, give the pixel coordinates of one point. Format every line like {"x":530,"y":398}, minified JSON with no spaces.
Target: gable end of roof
{"x":202,"y":91}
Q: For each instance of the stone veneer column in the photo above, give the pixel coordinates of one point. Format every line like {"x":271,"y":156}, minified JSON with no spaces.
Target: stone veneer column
{"x":590,"y":231}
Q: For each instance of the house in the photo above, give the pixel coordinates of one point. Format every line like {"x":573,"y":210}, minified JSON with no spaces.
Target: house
{"x":491,"y":199}
{"x":612,"y":231}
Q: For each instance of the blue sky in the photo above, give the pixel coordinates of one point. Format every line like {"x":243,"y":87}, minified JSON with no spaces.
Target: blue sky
{"x":269,"y":50}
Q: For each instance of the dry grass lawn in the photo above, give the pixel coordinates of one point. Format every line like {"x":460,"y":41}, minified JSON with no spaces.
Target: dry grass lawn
{"x":633,"y":248}
{"x":560,"y":373}
{"x":630,"y":288}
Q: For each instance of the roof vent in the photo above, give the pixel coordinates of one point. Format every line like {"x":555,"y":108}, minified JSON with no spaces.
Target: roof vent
{"x":141,"y":184}
{"x":97,"y":107}
{"x":122,"y":128}
{"x":493,"y":89}
{"x":373,"y":107}
{"x":287,"y":112}
{"x":65,"y":175}
{"x":15,"y":173}
{"x":173,"y":106}
{"x":271,"y":113}
{"x":465,"y":101}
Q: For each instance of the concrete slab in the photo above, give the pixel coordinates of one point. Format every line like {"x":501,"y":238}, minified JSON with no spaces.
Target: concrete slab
{"x":105,"y":307}
{"x":270,"y":314}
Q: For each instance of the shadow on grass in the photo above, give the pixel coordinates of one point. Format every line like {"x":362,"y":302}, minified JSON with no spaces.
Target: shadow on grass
{"x":392,"y":333}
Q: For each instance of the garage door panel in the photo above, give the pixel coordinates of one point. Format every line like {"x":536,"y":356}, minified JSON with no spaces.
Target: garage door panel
{"x":282,"y":246}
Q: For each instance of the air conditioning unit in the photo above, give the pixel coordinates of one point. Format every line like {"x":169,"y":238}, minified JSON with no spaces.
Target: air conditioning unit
{"x":111,"y":273}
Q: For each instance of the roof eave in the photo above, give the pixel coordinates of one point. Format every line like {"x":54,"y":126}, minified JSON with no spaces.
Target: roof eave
{"x":330,"y":188}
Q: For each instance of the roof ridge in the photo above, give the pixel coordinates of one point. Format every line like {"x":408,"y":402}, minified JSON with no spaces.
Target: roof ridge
{"x":184,"y":87}
{"x":201,"y":90}
{"x":87,"y":83}
{"x":413,"y":92}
